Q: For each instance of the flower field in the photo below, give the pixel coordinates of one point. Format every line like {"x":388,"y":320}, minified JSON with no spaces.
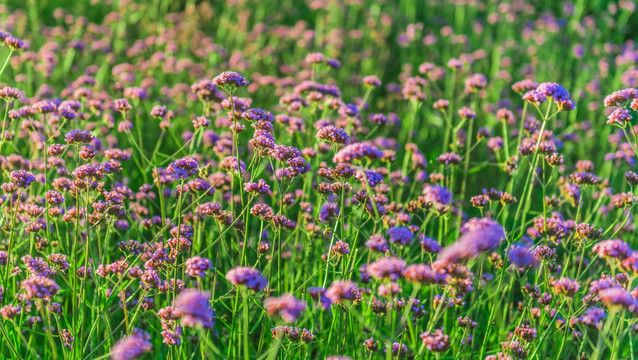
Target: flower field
{"x":318,"y":179}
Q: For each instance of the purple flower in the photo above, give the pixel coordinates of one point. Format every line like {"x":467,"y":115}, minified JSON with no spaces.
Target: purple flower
{"x":620,"y":97}
{"x":449,"y":159}
{"x":386,"y":268}
{"x":78,"y":136}
{"x":22,"y":178}
{"x":437,"y":195}
{"x":593,"y":317}
{"x":429,"y":245}
{"x":197,"y":266}
{"x":616,"y":249}
{"x":193,"y":307}
{"x":229,"y":78}
{"x":477,"y":236}
{"x":521,"y":256}
{"x":260,"y":187}
{"x":400,"y":235}
{"x":619,"y":117}
{"x":132,"y":346}
{"x":424,"y":274}
{"x":616,"y":296}
{"x":246,"y":276}
{"x":333,"y":134}
{"x":39,"y":287}
{"x":183,"y":168}
{"x":342,"y":290}
{"x":377,"y":243}
{"x":286,"y":306}
{"x":328,"y":211}
{"x":357,"y":151}
{"x":436,"y":341}
{"x":121,"y":105}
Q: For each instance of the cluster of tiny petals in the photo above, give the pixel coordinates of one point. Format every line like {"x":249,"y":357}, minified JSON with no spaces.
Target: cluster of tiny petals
{"x":286,"y":306}
{"x":229,"y":78}
{"x":333,"y":134}
{"x":546,"y":90}
{"x":620,"y":97}
{"x":247,"y":276}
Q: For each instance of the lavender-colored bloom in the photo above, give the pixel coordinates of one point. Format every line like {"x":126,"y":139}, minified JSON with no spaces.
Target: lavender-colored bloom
{"x":449,"y":159}
{"x":340,"y":248}
{"x":246,"y":276}
{"x":132,"y":346}
{"x":593,"y":317}
{"x":371,"y":80}
{"x":424,"y":274}
{"x":14,"y":43}
{"x":400,"y":235}
{"x":229,"y":78}
{"x":78,"y":136}
{"x":372,"y":178}
{"x":619,"y":117}
{"x":197,"y":266}
{"x":377,"y":243}
{"x":477,"y":236}
{"x":193,"y":307}
{"x":260,"y":187}
{"x":437,"y":195}
{"x":386,"y":267}
{"x":467,"y":113}
{"x":565,"y":286}
{"x":333,"y":134}
{"x":328,"y":211}
{"x":342,"y":290}
{"x":524,"y":86}
{"x":429,"y":245}
{"x":616,"y":249}
{"x":286,"y":306}
{"x":357,"y":151}
{"x":22,"y":178}
{"x":550,"y":90}
{"x":618,"y":297}
{"x":620,"y":97}
{"x":122,"y":105}
{"x":183,"y":168}
{"x":521,"y":256}
{"x":39,"y":287}
{"x":436,"y":341}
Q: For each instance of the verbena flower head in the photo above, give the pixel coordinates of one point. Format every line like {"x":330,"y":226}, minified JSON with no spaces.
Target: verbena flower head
{"x":132,"y":346}
{"x":247,"y":276}
{"x":333,"y":134}
{"x":193,"y":307}
{"x":386,"y":268}
{"x":477,"y":236}
{"x":340,"y":291}
{"x":400,"y":235}
{"x":39,"y":287}
{"x":619,"y":117}
{"x":546,"y":90}
{"x":22,"y":178}
{"x":229,"y":79}
{"x":616,"y":249}
{"x":183,"y":168}
{"x":286,"y":306}
{"x":197,"y":266}
{"x":621,"y":97}
{"x":77,"y":136}
{"x":436,"y":341}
